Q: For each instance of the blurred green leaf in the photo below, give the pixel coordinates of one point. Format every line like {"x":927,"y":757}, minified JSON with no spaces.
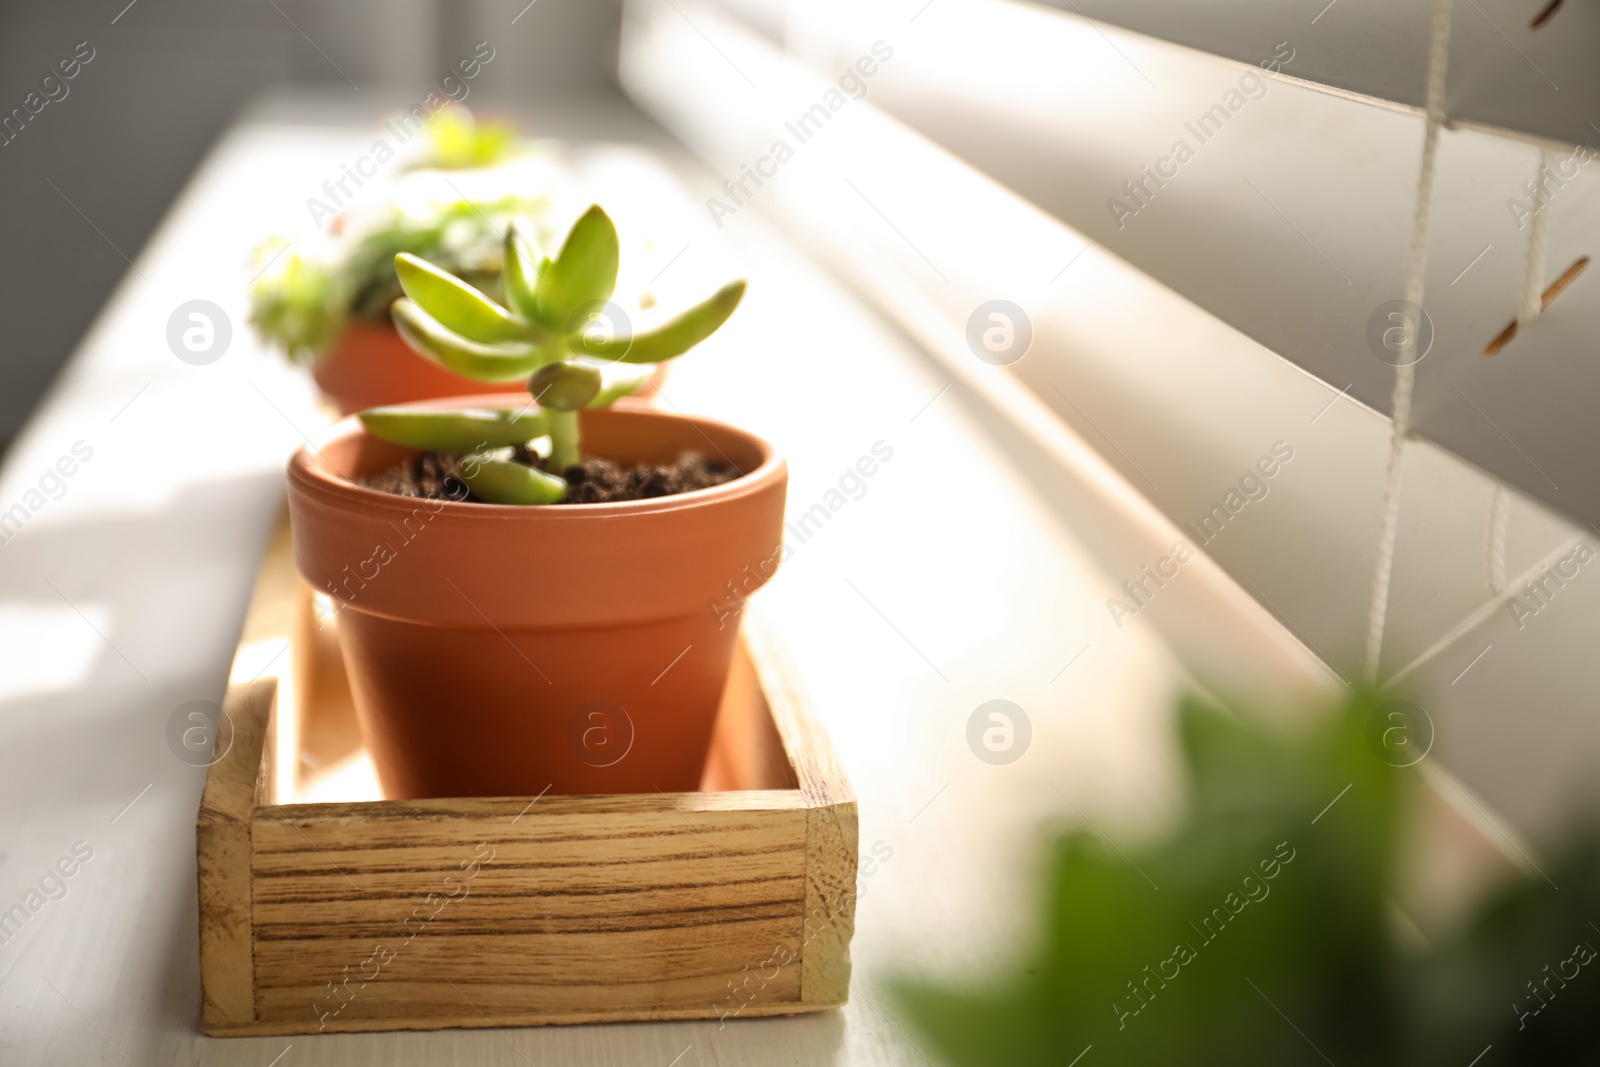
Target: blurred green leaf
{"x":301,"y":302}
{"x":1192,"y":950}
{"x":1516,"y":977}
{"x":464,"y":237}
{"x":460,"y":142}
{"x":1272,"y":938}
{"x":297,"y":303}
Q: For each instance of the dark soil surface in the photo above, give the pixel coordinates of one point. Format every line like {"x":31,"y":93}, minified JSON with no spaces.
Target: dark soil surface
{"x":432,"y":475}
{"x":436,"y":476}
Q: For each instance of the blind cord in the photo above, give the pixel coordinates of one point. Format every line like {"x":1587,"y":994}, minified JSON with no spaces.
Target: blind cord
{"x":1406,"y":376}
{"x":1482,"y":613}
{"x":1538,"y":244}
{"x":1528,"y":309}
{"x":1499,"y":519}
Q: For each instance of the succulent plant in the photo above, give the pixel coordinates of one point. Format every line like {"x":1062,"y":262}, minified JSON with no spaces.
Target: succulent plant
{"x":557,"y":330}
{"x":459,"y":141}
{"x":301,"y":302}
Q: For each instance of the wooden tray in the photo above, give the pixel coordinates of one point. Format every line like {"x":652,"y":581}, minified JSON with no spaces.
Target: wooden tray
{"x":323,"y":908}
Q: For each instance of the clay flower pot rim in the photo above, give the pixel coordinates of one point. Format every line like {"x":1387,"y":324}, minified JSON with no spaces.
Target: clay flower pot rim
{"x":311,"y":469}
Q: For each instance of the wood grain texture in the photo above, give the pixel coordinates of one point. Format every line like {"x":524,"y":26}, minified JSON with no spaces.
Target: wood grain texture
{"x":604,"y":913}
{"x":372,"y":915}
{"x":222,"y":854}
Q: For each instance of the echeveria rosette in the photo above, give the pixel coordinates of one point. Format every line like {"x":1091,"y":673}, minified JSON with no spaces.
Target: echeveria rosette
{"x":544,"y":332}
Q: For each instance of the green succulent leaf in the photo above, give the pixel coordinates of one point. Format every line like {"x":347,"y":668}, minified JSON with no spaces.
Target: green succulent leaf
{"x":468,"y":430}
{"x":484,"y":363}
{"x":459,"y":307}
{"x":672,"y":338}
{"x":522,"y":269}
{"x":565,"y":385}
{"x":584,"y":271}
{"x":499,"y":481}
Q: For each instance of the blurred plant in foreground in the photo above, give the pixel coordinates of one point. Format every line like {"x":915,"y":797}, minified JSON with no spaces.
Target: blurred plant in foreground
{"x":1261,"y":930}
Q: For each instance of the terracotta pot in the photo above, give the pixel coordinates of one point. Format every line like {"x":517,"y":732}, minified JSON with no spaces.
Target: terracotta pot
{"x":500,"y":651}
{"x":369,"y":365}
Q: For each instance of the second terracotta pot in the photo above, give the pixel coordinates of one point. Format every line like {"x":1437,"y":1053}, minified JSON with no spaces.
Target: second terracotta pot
{"x":500,"y":651}
{"x":370,"y":366}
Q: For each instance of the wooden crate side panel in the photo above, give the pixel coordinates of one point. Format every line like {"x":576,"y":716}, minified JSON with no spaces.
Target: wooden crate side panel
{"x":222,"y":861}
{"x":351,"y":1024}
{"x":615,"y":914}
{"x":445,"y":977}
{"x":830,"y":923}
